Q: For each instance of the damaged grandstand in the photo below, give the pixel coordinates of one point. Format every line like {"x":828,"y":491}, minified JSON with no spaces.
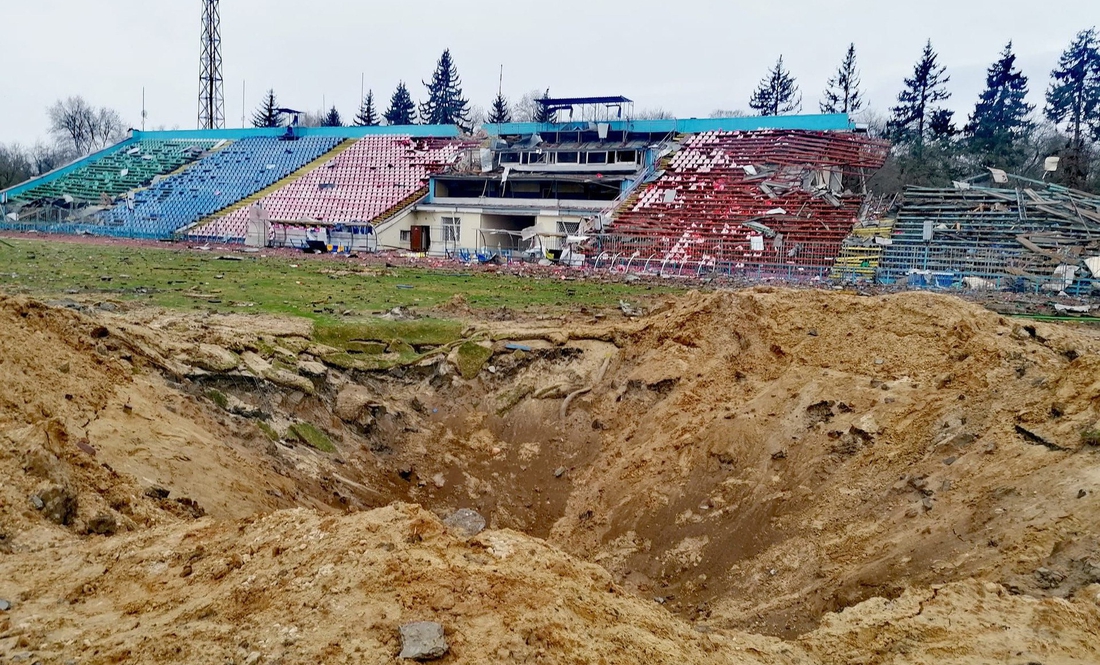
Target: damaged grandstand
{"x":780,"y":198}
{"x":995,"y":231}
{"x":769,"y":202}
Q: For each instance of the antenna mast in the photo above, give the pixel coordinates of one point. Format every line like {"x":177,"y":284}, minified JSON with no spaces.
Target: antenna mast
{"x":211,"y":91}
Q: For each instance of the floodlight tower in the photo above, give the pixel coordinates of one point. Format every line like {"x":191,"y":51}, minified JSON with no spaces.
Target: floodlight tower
{"x":211,"y":84}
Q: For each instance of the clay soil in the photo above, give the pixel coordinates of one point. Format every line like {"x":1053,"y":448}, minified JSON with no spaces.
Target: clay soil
{"x":761,"y":476}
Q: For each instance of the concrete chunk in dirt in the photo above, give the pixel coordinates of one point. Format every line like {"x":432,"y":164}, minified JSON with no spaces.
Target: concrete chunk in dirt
{"x":59,"y":504}
{"x":312,"y":368}
{"x":465,"y":523}
{"x":213,"y":358}
{"x":422,"y":640}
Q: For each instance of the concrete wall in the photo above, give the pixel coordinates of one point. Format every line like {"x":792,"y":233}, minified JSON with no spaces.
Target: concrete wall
{"x":472,"y":220}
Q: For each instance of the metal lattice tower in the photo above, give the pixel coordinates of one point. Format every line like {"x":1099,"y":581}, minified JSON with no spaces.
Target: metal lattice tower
{"x":211,"y":83}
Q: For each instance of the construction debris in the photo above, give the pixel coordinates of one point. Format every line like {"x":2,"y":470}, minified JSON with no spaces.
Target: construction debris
{"x":1027,"y":236}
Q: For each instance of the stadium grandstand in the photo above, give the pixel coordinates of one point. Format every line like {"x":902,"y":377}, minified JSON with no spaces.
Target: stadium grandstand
{"x":751,"y":201}
{"x":761,"y":197}
{"x":515,"y":190}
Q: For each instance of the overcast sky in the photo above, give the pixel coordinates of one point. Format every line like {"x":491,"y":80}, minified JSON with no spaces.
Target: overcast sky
{"x":689,"y":56}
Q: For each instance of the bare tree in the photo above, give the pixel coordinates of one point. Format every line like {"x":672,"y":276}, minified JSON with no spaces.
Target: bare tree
{"x":46,"y":157}
{"x":15,"y":165}
{"x":476,"y":116}
{"x":76,"y":124}
{"x":655,"y":114}
{"x":527,"y":108}
{"x":312,"y":119}
{"x":874,"y":121}
{"x":726,"y":113}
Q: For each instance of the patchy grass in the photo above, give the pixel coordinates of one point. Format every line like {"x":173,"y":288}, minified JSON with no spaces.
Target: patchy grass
{"x":323,"y":290}
{"x":471,"y":359}
{"x":313,"y":437}
{"x":421,"y":332}
{"x":268,"y":431}
{"x":1091,"y":437}
{"x":218,"y":397}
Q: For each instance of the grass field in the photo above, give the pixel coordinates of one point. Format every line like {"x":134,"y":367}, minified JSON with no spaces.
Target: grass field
{"x":319,"y":289}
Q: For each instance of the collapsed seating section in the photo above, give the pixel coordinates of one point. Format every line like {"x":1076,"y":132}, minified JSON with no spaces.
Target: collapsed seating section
{"x":222,"y":179}
{"x":1018,"y":234}
{"x":743,"y":200}
{"x":131,"y":166}
{"x":360,"y":184}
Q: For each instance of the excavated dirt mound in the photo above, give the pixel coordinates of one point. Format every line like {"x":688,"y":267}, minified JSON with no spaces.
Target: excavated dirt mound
{"x":89,"y":426}
{"x":760,"y":459}
{"x":907,"y":479}
{"x":775,"y":456}
{"x":299,"y":587}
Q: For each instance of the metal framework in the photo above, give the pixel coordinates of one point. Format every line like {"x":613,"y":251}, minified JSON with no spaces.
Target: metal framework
{"x":589,"y":109}
{"x":211,"y":83}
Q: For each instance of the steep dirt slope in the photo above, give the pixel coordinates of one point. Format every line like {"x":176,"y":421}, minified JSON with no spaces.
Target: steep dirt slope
{"x":300,"y":587}
{"x":88,"y":423}
{"x":900,"y":479}
{"x":772,"y":456}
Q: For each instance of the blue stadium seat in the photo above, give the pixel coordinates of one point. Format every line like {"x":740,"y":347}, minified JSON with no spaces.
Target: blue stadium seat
{"x":212,"y":184}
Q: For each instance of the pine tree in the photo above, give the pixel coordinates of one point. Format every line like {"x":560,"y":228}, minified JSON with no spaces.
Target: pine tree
{"x":543,"y":114}
{"x":777,"y":94}
{"x":332,"y":119}
{"x":445,"y":105}
{"x":843,"y":94}
{"x":910,"y":120}
{"x":1000,"y":121}
{"x":941,"y":125}
{"x":368,"y":115}
{"x":499,"y":113}
{"x":1073,"y":99}
{"x":402,"y":109}
{"x":268,"y":115}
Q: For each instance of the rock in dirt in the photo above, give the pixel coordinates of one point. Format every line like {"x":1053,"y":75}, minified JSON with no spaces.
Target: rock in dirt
{"x":282,"y":377}
{"x":466,"y":523}
{"x":4,"y":605}
{"x":630,"y":310}
{"x":422,"y":640}
{"x":103,"y":524}
{"x":1037,"y":439}
{"x":312,"y":368}
{"x":59,"y":504}
{"x":352,"y":403}
{"x":157,"y":492}
{"x":42,"y":464}
{"x":212,"y":358}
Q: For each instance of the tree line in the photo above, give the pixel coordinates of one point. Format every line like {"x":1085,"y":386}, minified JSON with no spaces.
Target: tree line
{"x":76,"y":127}
{"x":931,"y":146}
{"x":1003,"y":131}
{"x":446,"y":104}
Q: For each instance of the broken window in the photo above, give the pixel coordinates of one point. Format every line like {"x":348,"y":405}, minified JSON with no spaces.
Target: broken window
{"x":452,"y":229}
{"x":569,"y":228}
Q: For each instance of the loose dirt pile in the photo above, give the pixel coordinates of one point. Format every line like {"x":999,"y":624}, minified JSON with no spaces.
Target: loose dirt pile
{"x":899,"y":479}
{"x":770,"y":457}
